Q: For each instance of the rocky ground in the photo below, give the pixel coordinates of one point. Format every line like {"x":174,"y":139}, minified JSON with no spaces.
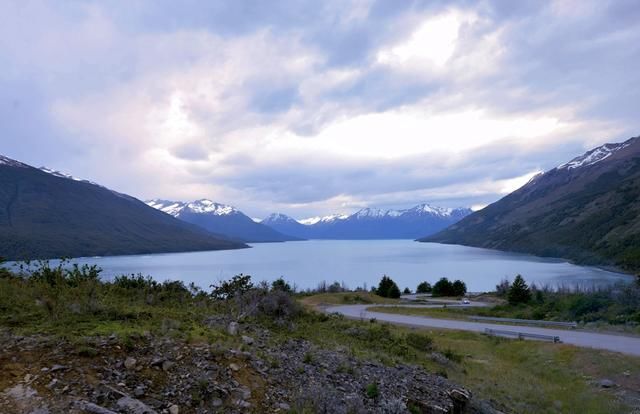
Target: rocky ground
{"x":160,"y":374}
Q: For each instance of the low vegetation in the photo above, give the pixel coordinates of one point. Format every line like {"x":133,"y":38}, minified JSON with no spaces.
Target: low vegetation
{"x":73,"y":303}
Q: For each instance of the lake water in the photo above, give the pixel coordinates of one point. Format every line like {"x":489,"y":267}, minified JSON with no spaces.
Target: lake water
{"x":356,"y":263}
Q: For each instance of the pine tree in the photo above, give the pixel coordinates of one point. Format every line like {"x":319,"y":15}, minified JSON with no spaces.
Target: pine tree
{"x":519,"y":292}
{"x":387,"y":288}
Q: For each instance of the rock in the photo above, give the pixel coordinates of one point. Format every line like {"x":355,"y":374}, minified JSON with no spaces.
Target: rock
{"x":234,"y":367}
{"x":92,"y":408}
{"x":284,"y":407}
{"x":138,"y":391}
{"x":606,"y":383}
{"x":167,"y":365}
{"x":233,"y":328}
{"x":130,"y":363}
{"x":57,"y":368}
{"x":460,"y":399}
{"x":217,"y":402}
{"x":459,"y":395}
{"x":243,"y":404}
{"x":626,"y":373}
{"x":132,"y":406}
{"x":157,"y":361}
{"x":247,"y":340}
{"x":174,"y":409}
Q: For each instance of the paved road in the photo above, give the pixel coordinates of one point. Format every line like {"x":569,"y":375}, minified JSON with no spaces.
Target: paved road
{"x":618,"y":343}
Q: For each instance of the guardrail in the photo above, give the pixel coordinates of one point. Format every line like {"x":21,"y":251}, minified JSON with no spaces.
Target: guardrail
{"x":525,"y":321}
{"x":522,"y":335}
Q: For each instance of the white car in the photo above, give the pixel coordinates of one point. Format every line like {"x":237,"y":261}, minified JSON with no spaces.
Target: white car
{"x":465,"y":301}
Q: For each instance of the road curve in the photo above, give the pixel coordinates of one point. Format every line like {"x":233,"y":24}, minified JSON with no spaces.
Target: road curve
{"x":617,"y":343}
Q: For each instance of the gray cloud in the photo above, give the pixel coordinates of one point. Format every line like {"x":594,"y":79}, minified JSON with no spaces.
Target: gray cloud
{"x":86,"y":86}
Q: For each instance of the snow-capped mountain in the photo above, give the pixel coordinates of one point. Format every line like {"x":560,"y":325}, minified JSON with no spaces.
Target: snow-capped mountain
{"x":47,"y":215}
{"x":370,"y":223}
{"x":587,"y":210}
{"x":203,"y":206}
{"x":220,"y":219}
{"x":595,"y":155}
{"x":326,"y":219}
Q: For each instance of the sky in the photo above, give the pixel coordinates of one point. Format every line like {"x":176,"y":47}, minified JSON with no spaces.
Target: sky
{"x":311,"y":108}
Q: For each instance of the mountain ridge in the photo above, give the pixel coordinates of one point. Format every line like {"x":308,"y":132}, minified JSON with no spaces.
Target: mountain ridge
{"x":586,"y":210}
{"x":45,"y":215}
{"x":370,"y":223}
{"x":221,"y":219}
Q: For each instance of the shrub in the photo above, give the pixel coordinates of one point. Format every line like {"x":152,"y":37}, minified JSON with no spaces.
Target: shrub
{"x":424,"y":287}
{"x":387,"y":288}
{"x":418,"y":341}
{"x":406,"y":291}
{"x":502,"y":288}
{"x":372,"y":391}
{"x":227,"y":289}
{"x":281,"y":285}
{"x":279,"y":305}
{"x":519,"y":292}
{"x":453,"y":356}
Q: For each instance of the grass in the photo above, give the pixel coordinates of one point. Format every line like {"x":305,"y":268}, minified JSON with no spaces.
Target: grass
{"x":519,"y":376}
{"x":464,"y":313}
{"x":440,"y":313}
{"x":345,"y":298}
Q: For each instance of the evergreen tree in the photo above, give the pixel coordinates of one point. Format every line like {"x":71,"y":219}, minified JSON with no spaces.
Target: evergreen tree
{"x":458,"y":288}
{"x":519,"y":292}
{"x":424,"y":287}
{"x":387,"y":288}
{"x":443,"y":287}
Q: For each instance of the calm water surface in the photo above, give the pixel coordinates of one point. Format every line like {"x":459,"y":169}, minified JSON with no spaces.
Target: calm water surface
{"x":355,"y":262}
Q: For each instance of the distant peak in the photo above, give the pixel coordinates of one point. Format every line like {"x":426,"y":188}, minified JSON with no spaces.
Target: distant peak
{"x":277,"y":217}
{"x":326,"y":219}
{"x":202,"y":206}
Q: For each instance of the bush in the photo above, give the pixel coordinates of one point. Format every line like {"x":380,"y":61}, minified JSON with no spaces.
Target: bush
{"x":387,"y":288}
{"x":278,"y":305}
{"x":372,"y":391}
{"x":281,"y":285}
{"x":502,"y":288}
{"x":519,"y":292}
{"x":227,"y":289}
{"x":424,"y":287}
{"x":420,"y":342}
{"x":406,"y":291}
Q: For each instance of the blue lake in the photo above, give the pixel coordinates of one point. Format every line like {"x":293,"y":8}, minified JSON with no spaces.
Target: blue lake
{"x":356,"y":263}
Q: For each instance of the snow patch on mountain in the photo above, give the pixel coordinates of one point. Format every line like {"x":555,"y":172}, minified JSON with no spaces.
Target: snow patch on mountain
{"x":431,"y":210}
{"x":375,"y":213}
{"x":594,"y":156}
{"x":326,"y":219}
{"x":11,"y":163}
{"x":277,"y":218}
{"x":204,"y":206}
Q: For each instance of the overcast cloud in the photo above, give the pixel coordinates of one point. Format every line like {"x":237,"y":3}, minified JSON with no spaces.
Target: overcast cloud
{"x":307,"y":107}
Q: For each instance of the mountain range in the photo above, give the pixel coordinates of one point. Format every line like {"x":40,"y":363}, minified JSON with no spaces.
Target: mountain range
{"x":586,"y":210}
{"x":47,"y":214}
{"x":220,"y":218}
{"x":370,"y":223}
